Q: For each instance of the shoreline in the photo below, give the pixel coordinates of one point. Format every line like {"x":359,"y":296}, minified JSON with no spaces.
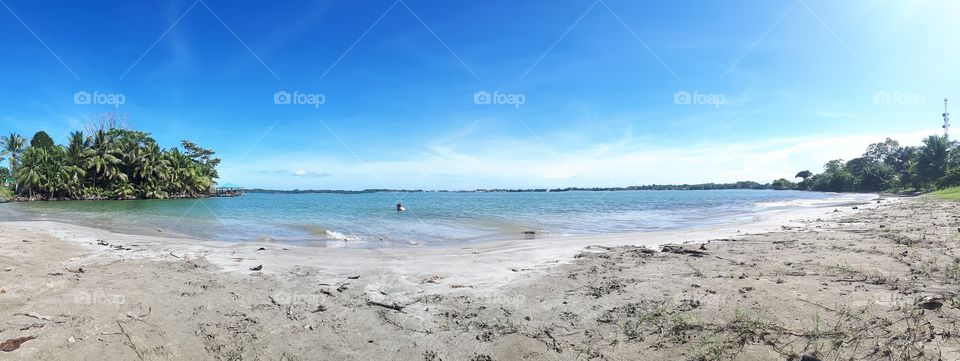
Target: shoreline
{"x":492,"y":263}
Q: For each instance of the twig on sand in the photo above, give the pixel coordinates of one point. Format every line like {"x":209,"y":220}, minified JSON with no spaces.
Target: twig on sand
{"x":36,"y":316}
{"x":129,"y":340}
{"x":140,"y":317}
{"x":818,"y":305}
{"x":387,"y":319}
{"x":392,"y":306}
{"x":174,"y":256}
{"x":24,"y":327}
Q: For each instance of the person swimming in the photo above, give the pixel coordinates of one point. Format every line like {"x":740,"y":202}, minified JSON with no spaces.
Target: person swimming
{"x":400,"y":207}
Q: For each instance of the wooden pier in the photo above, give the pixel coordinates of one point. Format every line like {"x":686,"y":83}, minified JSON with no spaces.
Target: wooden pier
{"x":228,"y":190}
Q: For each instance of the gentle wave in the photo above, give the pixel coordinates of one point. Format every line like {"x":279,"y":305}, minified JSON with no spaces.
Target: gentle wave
{"x":811,"y":203}
{"x":341,"y":237}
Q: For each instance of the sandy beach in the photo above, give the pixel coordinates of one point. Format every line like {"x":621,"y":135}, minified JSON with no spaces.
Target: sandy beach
{"x":866,"y":281}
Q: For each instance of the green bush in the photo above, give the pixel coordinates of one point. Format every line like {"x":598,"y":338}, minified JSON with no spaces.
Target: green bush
{"x":952,"y":178}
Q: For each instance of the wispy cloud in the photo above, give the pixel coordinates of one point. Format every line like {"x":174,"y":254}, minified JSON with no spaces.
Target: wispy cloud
{"x":306,"y":173}
{"x":300,"y":172}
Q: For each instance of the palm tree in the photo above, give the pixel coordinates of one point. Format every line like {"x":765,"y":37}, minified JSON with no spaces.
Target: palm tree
{"x":76,"y":154}
{"x":933,"y":158}
{"x":76,"y":145}
{"x":102,"y":158}
{"x":11,"y":146}
{"x":32,"y":174}
{"x":151,"y":167}
{"x":123,"y":190}
{"x":130,"y":145}
{"x":178,"y":171}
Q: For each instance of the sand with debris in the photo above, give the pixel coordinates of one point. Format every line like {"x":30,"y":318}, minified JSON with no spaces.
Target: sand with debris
{"x":876,"y":282}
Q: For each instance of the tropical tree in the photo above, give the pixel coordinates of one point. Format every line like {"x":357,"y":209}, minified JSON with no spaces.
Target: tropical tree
{"x":180,"y":172}
{"x":5,"y":176}
{"x":835,"y":178}
{"x":31,"y":174}
{"x":11,"y":146}
{"x":202,"y":156}
{"x":932,"y":159}
{"x":102,"y":158}
{"x":887,"y":166}
{"x":151,"y":169}
{"x":114,"y":162}
{"x":109,"y":163}
{"x":77,"y":154}
{"x":42,"y":140}
{"x":782,"y":183}
{"x":869,"y":175}
{"x":124,"y":190}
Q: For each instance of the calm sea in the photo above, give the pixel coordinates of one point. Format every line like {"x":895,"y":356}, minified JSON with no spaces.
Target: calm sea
{"x":371,"y":220}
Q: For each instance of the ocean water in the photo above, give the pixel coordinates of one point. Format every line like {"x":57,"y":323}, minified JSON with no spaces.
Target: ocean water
{"x":371,"y":220}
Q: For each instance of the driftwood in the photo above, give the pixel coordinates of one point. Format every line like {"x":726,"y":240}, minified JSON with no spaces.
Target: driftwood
{"x":392,"y":306}
{"x":681,"y":250}
{"x":14,"y":343}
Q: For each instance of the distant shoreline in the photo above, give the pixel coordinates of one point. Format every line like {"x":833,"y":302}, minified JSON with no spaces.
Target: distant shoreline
{"x":653,"y":187}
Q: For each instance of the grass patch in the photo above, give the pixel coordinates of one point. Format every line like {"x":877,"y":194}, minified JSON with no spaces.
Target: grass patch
{"x":950,"y":194}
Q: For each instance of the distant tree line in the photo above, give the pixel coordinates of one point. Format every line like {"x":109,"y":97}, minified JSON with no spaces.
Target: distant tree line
{"x":887,"y":166}
{"x":109,"y":163}
{"x":703,"y":186}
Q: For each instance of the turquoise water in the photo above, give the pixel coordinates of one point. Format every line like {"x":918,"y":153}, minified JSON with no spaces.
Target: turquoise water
{"x":370,"y":220}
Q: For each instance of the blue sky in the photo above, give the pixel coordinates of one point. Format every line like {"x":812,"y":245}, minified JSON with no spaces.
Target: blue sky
{"x":588,"y":93}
